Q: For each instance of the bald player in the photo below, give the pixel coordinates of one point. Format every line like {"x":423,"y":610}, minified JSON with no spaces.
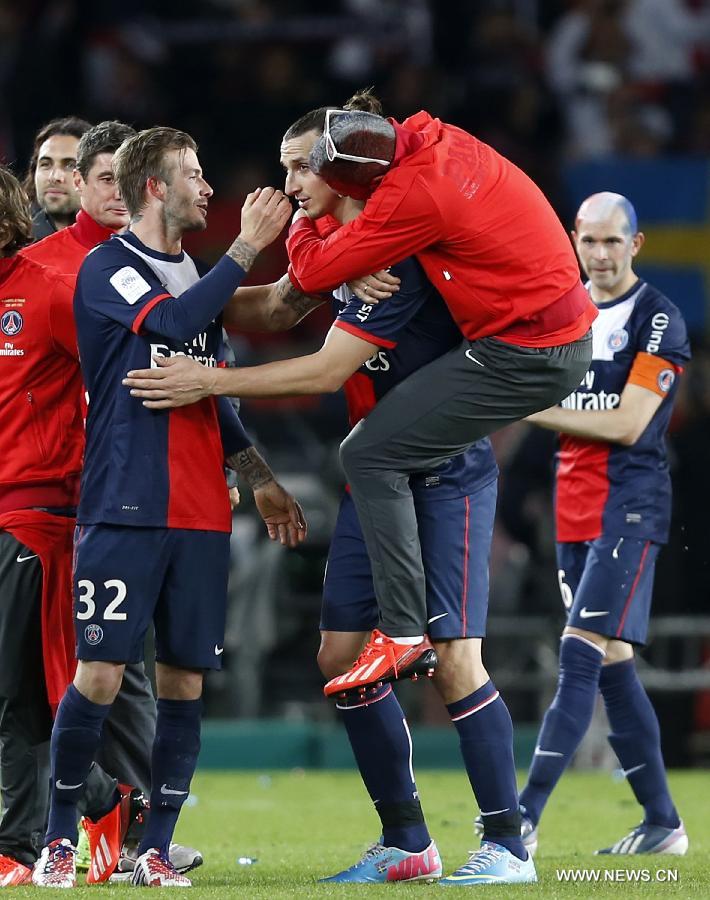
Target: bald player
{"x":613,"y":507}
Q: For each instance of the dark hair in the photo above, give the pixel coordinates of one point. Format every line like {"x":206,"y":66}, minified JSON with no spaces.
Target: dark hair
{"x":72,"y":126}
{"x":142,"y":157}
{"x":106,"y":137}
{"x":14,"y":212}
{"x":363,"y":100}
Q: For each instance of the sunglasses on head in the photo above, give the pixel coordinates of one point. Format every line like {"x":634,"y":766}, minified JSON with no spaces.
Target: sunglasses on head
{"x":330,"y":149}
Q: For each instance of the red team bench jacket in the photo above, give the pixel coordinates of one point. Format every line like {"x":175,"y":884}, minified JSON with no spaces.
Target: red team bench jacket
{"x":42,"y":435}
{"x":485,"y":234}
{"x":41,"y":440}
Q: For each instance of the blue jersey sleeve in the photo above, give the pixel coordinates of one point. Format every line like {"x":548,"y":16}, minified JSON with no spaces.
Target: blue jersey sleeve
{"x":382,"y":323}
{"x":118,"y":286}
{"x":234,"y":436}
{"x":126,"y":290}
{"x":662,"y":331}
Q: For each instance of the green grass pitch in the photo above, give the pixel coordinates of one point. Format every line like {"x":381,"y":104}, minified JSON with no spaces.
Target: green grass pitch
{"x":301,"y":825}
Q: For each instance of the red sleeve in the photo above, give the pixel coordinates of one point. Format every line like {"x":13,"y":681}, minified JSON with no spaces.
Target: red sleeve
{"x":61,"y":316}
{"x":398,"y":220}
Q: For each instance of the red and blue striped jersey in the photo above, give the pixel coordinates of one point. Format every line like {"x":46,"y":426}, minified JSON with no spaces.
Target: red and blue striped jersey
{"x":608,"y":488}
{"x":410,"y":329}
{"x":157,"y":468}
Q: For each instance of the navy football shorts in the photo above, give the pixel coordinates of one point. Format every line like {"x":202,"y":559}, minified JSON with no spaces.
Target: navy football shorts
{"x":455,"y":537}
{"x":126,"y":577}
{"x":607,"y":585}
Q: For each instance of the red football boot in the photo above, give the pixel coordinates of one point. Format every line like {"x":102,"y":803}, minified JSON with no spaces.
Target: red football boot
{"x":13,"y":872}
{"x":381,"y":661}
{"x":107,"y":835}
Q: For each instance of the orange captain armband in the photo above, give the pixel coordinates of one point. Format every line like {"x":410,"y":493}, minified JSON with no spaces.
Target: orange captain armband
{"x":653,"y":373}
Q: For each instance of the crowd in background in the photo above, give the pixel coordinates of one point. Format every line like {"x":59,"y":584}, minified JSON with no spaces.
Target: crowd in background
{"x":543,"y":81}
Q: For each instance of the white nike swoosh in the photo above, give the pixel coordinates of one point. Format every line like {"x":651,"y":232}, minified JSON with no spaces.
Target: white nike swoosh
{"x":67,"y":787}
{"x":25,"y":558}
{"x":631,"y":771}
{"x":539,"y":752}
{"x":434,"y":618}
{"x":164,"y":789}
{"x":218,"y":651}
{"x":585,"y":613}
{"x":473,"y":359}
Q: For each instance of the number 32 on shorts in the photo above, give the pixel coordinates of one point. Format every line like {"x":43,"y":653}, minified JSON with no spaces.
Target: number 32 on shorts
{"x":87,"y":589}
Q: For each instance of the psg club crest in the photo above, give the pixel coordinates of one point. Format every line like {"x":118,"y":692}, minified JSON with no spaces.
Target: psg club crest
{"x":94,"y":634}
{"x":666,"y":377}
{"x":11,"y":322}
{"x":618,"y":339}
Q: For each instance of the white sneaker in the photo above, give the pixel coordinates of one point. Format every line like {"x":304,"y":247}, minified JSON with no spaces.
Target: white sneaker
{"x":153,"y":870}
{"x":56,"y":866}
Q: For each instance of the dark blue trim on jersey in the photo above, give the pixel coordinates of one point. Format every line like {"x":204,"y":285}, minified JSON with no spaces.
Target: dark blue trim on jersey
{"x":133,"y":239}
{"x":607,"y":304}
{"x":183,"y":318}
{"x":388,"y":319}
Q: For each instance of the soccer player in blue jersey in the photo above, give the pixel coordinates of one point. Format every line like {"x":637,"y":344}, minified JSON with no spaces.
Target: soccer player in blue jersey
{"x":369,"y":350}
{"x":613,"y":505}
{"x":154,"y":516}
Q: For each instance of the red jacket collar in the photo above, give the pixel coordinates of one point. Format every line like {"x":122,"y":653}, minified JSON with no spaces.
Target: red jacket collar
{"x":88,"y":232}
{"x":416,"y":132}
{"x":7,"y":264}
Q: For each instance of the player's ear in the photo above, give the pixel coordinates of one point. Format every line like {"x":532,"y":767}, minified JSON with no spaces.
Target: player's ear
{"x":637,"y":242}
{"x":78,"y":180}
{"x":156,"y":187}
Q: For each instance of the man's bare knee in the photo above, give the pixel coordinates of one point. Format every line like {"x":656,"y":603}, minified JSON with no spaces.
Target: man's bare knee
{"x":339,"y":650}
{"x":174,"y":683}
{"x":618,"y":651}
{"x":99,"y":681}
{"x":460,"y":671}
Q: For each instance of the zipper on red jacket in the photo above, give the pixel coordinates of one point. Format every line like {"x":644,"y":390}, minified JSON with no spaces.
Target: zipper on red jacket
{"x":35,"y":426}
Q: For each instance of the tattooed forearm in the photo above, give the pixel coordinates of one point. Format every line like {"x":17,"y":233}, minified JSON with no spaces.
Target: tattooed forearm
{"x":243,"y":254}
{"x":250,"y":465}
{"x":300,"y":304}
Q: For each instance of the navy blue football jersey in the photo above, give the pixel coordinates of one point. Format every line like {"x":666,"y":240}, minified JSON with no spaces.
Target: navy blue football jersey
{"x":158,"y":468}
{"x":411,"y":329}
{"x":606,"y":488}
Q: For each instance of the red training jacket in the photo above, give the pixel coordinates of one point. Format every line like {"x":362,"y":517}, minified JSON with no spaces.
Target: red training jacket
{"x":42,"y":434}
{"x":485,"y":234}
{"x":66,"y":249}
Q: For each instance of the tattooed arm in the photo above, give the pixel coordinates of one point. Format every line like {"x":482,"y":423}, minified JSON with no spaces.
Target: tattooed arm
{"x":280,"y":511}
{"x":269,"y":307}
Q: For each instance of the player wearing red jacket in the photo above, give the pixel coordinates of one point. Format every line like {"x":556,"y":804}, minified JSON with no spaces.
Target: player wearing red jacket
{"x":41,"y":446}
{"x":490,"y":243}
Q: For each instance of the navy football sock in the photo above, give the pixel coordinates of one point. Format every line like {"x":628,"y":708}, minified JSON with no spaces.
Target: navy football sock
{"x":636,"y":739}
{"x":75,"y":739}
{"x":486,"y":735}
{"x":566,"y":721}
{"x":175,"y":750}
{"x":378,"y":733}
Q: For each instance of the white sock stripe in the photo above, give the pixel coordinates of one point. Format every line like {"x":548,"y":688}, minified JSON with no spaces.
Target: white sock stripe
{"x":411,"y":749}
{"x":470,"y":712}
{"x":496,"y":812}
{"x":586,"y":641}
